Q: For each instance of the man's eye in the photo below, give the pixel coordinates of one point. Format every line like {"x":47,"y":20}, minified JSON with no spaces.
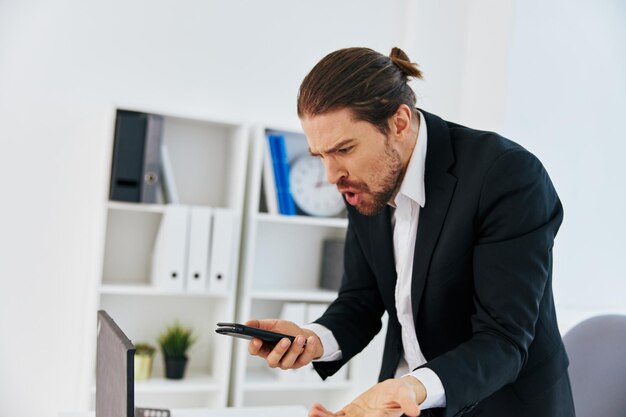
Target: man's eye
{"x":344,"y":150}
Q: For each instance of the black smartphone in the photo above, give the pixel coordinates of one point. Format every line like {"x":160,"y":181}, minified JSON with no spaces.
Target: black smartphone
{"x":246,"y":332}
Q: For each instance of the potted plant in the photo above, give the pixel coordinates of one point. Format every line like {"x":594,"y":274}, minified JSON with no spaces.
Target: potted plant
{"x":174,"y":342}
{"x":144,"y":352}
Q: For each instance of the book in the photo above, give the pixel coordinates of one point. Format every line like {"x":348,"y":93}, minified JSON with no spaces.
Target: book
{"x":280,"y":161}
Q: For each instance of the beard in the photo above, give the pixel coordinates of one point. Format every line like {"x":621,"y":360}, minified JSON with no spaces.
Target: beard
{"x":387,"y":173}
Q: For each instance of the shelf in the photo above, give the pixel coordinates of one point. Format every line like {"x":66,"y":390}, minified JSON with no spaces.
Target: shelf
{"x":303,"y":220}
{"x":207,"y":163}
{"x":194,"y":382}
{"x":136,"y":207}
{"x":147,"y":290}
{"x":264,"y":381}
{"x":316,"y":295}
{"x":283,"y":263}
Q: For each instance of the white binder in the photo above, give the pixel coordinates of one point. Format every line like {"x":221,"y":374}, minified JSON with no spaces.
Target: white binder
{"x":223,"y":249}
{"x":296,"y":312}
{"x":170,"y":191}
{"x":269,"y":180}
{"x":199,"y":249}
{"x":314,"y":312}
{"x":169,"y":256}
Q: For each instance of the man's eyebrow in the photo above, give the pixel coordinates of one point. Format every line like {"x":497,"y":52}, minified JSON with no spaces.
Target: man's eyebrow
{"x":335,"y":148}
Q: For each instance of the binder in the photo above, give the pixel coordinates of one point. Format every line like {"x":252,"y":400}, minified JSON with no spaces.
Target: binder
{"x":170,"y":191}
{"x":286,"y":205}
{"x":169,"y":256}
{"x":313,"y":312}
{"x":199,"y":249}
{"x":269,"y":180}
{"x":296,"y":312}
{"x":223,"y":249}
{"x":332,"y":264}
{"x":136,"y":157}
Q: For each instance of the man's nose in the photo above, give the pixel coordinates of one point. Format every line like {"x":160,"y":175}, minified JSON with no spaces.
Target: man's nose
{"x":334,"y":171}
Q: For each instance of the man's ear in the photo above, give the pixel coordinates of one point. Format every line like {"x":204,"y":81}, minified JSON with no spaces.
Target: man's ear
{"x":400,"y":122}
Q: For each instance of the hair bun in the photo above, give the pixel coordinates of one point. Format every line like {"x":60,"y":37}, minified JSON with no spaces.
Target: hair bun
{"x":402,"y":61}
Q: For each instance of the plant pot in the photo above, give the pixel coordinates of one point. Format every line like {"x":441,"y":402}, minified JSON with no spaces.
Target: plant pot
{"x":175,"y":368}
{"x":143,"y":367}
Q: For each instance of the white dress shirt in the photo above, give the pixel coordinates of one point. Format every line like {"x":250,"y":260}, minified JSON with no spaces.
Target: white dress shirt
{"x":410,"y":198}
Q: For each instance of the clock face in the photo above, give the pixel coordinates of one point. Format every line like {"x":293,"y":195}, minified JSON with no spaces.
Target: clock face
{"x":311,"y":190}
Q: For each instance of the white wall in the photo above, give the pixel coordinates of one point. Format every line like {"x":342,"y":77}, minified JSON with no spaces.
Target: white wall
{"x":64,"y":65}
{"x":546,"y":73}
{"x":549,"y":75}
{"x":567,"y":98}
{"x":562,"y":94}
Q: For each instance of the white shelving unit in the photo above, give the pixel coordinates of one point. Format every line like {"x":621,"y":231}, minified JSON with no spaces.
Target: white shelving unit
{"x":209,"y":162}
{"x":282,"y":264}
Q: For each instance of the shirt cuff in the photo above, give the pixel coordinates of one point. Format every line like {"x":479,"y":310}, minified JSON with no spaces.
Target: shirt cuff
{"x":329,"y":343}
{"x":435,"y":394}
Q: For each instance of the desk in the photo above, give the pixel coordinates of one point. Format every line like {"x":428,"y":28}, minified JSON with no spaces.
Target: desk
{"x":278,"y":411}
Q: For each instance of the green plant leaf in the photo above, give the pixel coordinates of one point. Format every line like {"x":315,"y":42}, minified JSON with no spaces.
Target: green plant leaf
{"x":176,"y":340}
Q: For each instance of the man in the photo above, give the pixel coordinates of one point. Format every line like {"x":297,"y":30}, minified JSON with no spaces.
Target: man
{"x":451,"y":232}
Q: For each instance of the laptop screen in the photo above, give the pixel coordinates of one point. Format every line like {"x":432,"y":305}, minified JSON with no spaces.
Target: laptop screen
{"x":114,"y":370}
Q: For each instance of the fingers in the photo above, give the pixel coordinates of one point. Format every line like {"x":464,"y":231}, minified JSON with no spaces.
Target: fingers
{"x":408,"y":402}
{"x":309,"y":353}
{"x":285,"y":355}
{"x":312,"y":350}
{"x":300,"y":353}
{"x":276,"y":355}
{"x":411,"y":393}
{"x":291,"y":355}
{"x":358,"y":409}
{"x":253,"y":323}
{"x":391,"y":398}
{"x":318,"y":410}
{"x":266,"y":324}
{"x":255,"y":348}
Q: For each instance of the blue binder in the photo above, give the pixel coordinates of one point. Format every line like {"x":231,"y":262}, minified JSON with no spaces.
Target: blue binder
{"x":286,"y":205}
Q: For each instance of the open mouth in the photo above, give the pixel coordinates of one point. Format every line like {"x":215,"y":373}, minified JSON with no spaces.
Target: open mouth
{"x":352,"y":198}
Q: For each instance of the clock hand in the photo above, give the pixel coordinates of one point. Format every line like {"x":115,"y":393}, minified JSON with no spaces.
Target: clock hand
{"x":320,"y":180}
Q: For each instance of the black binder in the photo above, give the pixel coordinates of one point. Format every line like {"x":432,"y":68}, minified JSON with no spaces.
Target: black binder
{"x":136,"y":157}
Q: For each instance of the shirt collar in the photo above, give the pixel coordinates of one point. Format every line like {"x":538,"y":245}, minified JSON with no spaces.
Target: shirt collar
{"x":412,"y":185}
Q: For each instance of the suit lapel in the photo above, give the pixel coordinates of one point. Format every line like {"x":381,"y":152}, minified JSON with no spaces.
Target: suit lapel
{"x":439,"y":185}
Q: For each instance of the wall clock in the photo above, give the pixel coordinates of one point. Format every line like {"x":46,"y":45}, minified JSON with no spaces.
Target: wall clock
{"x":310,"y":189}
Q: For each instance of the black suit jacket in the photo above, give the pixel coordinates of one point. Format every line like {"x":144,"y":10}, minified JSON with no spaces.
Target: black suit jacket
{"x":481,"y":288}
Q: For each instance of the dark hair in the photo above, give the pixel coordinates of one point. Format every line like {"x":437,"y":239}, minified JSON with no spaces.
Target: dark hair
{"x":368,"y":83}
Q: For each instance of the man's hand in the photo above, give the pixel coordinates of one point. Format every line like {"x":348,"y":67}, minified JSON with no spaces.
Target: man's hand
{"x":390,"y":398}
{"x":286,"y":355}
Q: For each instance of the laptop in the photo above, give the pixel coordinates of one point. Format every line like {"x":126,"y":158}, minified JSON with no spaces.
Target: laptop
{"x":115,"y":373}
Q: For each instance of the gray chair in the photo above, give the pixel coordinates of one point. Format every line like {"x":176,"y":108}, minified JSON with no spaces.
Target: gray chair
{"x":597,"y":353}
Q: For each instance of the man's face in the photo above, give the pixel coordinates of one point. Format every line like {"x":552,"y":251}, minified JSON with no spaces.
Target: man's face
{"x":359,"y":159}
